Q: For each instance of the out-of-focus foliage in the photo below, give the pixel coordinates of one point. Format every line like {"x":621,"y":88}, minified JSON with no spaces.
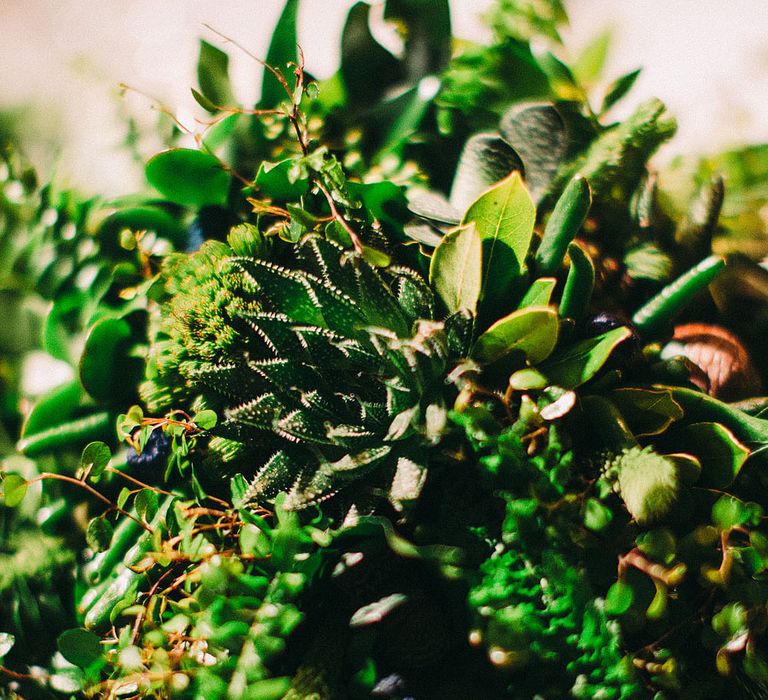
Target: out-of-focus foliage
{"x":406,"y":384}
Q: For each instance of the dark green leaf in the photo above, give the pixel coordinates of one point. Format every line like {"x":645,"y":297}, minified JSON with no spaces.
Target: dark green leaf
{"x":427,"y":34}
{"x":98,"y":535}
{"x":95,"y":458}
{"x":729,"y":512}
{"x":282,"y":51}
{"x":647,"y":411}
{"x":273,"y":181}
{"x":203,"y":101}
{"x":213,"y":77}
{"x":504,"y":217}
{"x":721,"y":455}
{"x":146,"y":504}
{"x":189,"y":177}
{"x":143,"y":219}
{"x":578,"y":285}
{"x":532,"y":331}
{"x":14,"y":489}
{"x":80,"y":647}
{"x":617,"y":89}
{"x":107,"y":370}
{"x":581,"y":361}
{"x":53,"y":408}
{"x":456,"y":268}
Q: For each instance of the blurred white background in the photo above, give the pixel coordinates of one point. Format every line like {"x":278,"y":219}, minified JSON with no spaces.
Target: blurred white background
{"x":707,"y":59}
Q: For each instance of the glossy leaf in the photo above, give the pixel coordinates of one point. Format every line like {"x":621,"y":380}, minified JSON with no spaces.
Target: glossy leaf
{"x":189,"y":177}
{"x":456,"y":269}
{"x":80,"y":647}
{"x":504,"y":217}
{"x":581,"y":361}
{"x":144,"y":218}
{"x":54,"y":407}
{"x":539,"y":293}
{"x":532,"y":331}
{"x":146,"y":504}
{"x":98,"y":534}
{"x":95,"y":458}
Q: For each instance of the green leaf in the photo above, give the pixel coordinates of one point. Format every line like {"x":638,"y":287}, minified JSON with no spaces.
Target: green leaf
{"x":411,"y":109}
{"x":213,"y":77}
{"x":99,"y":533}
{"x":282,"y":51}
{"x":539,"y":293}
{"x":254,"y":541}
{"x":203,"y":101}
{"x":647,"y":411}
{"x":6,"y":643}
{"x":564,"y":223}
{"x":146,"y":504}
{"x":533,"y":331}
{"x":107,"y":370}
{"x":721,"y":455}
{"x":53,"y":408}
{"x":619,"y":598}
{"x":485,"y":159}
{"x":504,"y":217}
{"x":617,"y":89}
{"x":729,"y":512}
{"x":578,"y":285}
{"x":274,"y":181}
{"x":591,"y":61}
{"x":95,"y":458}
{"x":122,"y":497}
{"x":205,"y":419}
{"x":427,"y":34}
{"x":659,"y":544}
{"x":143,"y":219}
{"x":14,"y":489}
{"x":80,"y":647}
{"x":456,"y":269}
{"x":596,"y":516}
{"x":189,"y":177}
{"x":580,"y":362}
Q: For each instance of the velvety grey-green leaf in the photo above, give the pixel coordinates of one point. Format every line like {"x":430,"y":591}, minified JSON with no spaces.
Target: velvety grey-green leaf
{"x":456,"y":269}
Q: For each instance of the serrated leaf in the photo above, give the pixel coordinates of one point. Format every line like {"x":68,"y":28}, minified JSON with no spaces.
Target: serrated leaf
{"x":456,"y":269}
{"x":80,"y":647}
{"x":95,"y":458}
{"x":532,"y":331}
{"x":98,"y":534}
{"x":188,"y":177}
{"x":504,"y":217}
{"x":582,"y":361}
{"x":14,"y":489}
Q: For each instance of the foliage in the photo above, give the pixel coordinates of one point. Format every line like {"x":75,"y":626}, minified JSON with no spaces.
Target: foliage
{"x":383,"y":425}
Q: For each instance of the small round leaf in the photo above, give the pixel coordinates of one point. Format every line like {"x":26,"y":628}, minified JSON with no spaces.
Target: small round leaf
{"x":146,"y":504}
{"x":14,"y":489}
{"x":205,"y":419}
{"x":95,"y":457}
{"x":99,"y":534}
{"x":80,"y":647}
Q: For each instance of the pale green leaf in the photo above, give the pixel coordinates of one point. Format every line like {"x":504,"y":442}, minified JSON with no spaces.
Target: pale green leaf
{"x":457,"y":267}
{"x":532,"y":330}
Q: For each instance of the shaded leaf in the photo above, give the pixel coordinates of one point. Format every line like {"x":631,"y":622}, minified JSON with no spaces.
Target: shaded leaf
{"x":98,"y":534}
{"x":539,"y":293}
{"x":456,"y":269}
{"x":107,"y":370}
{"x":274,"y":181}
{"x":80,"y":647}
{"x":146,"y":504}
{"x":647,"y":411}
{"x":721,"y":455}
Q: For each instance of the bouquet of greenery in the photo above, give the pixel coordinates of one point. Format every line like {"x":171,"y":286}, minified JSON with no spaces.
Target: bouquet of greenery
{"x":415,"y":382}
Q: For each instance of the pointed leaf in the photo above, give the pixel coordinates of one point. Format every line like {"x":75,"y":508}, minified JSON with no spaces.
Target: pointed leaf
{"x":539,"y":293}
{"x":282,"y":50}
{"x":532,"y":330}
{"x":213,"y":77}
{"x":589,"y":65}
{"x":504,"y":217}
{"x":456,"y":269}
{"x":580,"y":362}
{"x":617,"y":89}
{"x":189,"y":177}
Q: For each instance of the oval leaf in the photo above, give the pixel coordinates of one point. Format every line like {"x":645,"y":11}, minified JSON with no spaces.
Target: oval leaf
{"x":205,"y":419}
{"x":98,"y":535}
{"x":456,"y":268}
{"x":721,"y":455}
{"x":582,"y":361}
{"x":14,"y":489}
{"x":532,"y":330}
{"x":188,"y":177}
{"x":504,"y":217}
{"x":146,"y":504}
{"x":95,"y":457}
{"x":107,"y":370}
{"x":80,"y":647}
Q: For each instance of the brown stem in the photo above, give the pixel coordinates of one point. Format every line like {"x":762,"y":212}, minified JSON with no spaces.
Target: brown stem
{"x":127,"y":477}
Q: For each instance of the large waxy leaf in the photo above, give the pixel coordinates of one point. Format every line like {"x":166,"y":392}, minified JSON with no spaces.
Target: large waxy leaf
{"x":485,"y":159}
{"x":532,"y":330}
{"x":581,"y":361}
{"x":456,"y":270}
{"x":717,"y":449}
{"x":188,"y":177}
{"x":504,"y":217}
{"x":107,"y":369}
